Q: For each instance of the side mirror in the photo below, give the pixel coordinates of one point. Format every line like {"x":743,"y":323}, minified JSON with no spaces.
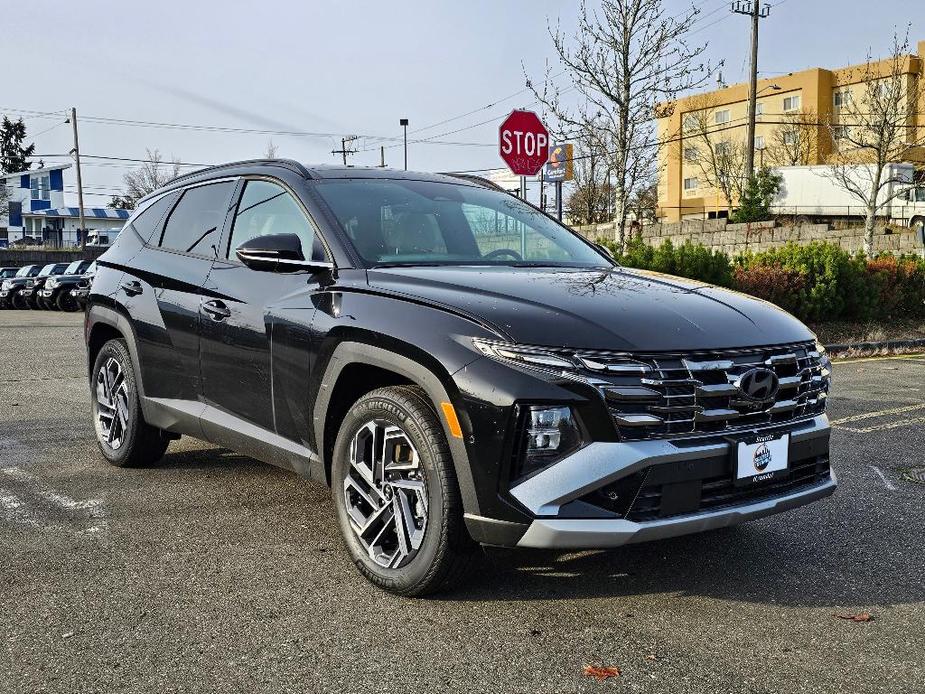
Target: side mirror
{"x":278,"y":253}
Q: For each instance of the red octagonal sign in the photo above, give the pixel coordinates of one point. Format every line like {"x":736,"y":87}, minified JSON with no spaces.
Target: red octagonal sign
{"x":524,"y":143}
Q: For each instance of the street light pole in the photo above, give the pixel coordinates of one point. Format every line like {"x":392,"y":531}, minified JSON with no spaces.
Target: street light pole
{"x":403,"y":122}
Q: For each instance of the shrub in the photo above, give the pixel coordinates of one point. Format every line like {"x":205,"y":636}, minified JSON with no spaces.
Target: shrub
{"x":817,"y":282}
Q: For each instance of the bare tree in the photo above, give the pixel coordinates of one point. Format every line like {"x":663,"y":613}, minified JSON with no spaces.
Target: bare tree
{"x":271,"y":150}
{"x":874,"y":126}
{"x":589,"y":202}
{"x":154,"y":173}
{"x":708,"y":146}
{"x":644,"y":203}
{"x":795,"y":141}
{"x":625,"y":57}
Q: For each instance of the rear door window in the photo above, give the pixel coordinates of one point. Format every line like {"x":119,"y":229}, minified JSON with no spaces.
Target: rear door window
{"x":194,"y":224}
{"x":149,"y":220}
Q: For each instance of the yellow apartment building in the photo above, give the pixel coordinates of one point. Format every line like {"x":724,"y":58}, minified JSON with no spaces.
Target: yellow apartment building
{"x":703,"y":135}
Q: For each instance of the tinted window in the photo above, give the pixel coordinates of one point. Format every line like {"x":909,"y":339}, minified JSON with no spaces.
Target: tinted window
{"x":413,"y":222}
{"x":194,"y":224}
{"x":150,"y":218}
{"x":74,"y":267}
{"x":266,"y":208}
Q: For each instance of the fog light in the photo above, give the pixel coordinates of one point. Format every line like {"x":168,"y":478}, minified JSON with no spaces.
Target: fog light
{"x":546,"y":436}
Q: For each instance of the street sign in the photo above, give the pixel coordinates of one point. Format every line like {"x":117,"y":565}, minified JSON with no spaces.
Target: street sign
{"x":559,"y":166}
{"x":524,"y":143}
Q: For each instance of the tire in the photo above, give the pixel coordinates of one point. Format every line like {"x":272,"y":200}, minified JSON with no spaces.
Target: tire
{"x":440,"y":552}
{"x":127,"y":441}
{"x":19,"y":302}
{"x":65,"y":302}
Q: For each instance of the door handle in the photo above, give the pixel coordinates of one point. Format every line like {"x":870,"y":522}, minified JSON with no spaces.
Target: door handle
{"x":216,"y":310}
{"x":132,"y":288}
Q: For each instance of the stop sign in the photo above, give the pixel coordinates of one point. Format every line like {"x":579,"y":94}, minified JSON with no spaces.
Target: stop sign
{"x":524,"y":143}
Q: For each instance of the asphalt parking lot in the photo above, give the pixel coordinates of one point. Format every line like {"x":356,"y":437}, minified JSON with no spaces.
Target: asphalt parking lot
{"x":216,"y":573}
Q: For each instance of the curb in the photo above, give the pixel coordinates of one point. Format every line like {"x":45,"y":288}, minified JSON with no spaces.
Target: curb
{"x":889,"y":345}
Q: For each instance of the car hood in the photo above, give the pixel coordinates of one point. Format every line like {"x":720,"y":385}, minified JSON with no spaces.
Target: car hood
{"x":612,"y":309}
{"x":18,"y":281}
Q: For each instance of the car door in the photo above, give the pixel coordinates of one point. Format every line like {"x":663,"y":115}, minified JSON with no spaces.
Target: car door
{"x":255,"y":321}
{"x":162,"y":290}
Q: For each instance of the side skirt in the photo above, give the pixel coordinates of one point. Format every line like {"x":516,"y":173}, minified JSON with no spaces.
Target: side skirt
{"x":205,"y":422}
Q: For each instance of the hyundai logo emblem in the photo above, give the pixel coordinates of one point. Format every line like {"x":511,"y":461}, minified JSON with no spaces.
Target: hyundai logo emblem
{"x":758,"y":385}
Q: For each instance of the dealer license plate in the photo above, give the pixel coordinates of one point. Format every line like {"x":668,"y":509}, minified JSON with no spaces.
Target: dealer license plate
{"x":762,"y":458}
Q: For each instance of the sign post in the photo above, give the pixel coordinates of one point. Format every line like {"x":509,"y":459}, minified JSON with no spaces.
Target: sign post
{"x":559,"y":168}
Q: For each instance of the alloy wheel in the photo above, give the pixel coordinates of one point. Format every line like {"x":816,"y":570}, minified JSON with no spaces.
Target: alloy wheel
{"x":385,"y":491}
{"x":112,"y":404}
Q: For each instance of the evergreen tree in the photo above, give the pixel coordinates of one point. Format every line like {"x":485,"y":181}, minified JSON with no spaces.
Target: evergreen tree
{"x":13,"y":155}
{"x":759,"y":193}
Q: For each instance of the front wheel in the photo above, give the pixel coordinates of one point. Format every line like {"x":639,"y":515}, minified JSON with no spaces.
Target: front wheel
{"x":396,"y":495}
{"x":124,"y":438}
{"x":65,"y":302}
{"x":19,"y":302}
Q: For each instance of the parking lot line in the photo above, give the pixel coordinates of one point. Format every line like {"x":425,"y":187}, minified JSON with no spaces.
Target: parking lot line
{"x":895,"y":357}
{"x":886,"y":483}
{"x":878,"y":413}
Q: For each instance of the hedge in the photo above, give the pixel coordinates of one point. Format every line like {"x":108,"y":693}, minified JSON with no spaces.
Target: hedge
{"x":817,"y":282}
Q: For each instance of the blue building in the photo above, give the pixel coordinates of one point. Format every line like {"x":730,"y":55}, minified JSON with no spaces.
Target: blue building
{"x":36,"y":208}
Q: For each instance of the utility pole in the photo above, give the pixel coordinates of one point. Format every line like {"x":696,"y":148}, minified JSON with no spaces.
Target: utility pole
{"x":403,"y":122}
{"x":80,"y":186}
{"x":382,"y":156}
{"x":755,"y":11}
{"x":343,"y":147}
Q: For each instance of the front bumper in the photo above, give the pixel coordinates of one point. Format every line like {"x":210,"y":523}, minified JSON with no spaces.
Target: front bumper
{"x":553,"y":495}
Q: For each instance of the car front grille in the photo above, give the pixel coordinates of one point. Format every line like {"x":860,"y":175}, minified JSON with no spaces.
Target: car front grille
{"x":675,"y":395}
{"x":656,"y":501}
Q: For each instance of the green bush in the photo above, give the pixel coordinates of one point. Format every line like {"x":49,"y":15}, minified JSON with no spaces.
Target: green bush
{"x":817,"y":282}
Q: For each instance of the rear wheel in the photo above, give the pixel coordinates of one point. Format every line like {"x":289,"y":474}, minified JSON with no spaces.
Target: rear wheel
{"x":396,"y":495}
{"x":124,"y":438}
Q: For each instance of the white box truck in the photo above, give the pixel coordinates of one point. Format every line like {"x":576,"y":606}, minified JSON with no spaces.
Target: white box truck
{"x":811,"y":193}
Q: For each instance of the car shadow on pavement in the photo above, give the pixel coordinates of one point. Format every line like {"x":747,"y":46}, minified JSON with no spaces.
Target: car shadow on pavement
{"x":750,"y":563}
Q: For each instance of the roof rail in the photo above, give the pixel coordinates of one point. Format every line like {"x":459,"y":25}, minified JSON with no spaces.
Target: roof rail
{"x":478,"y":180}
{"x":290,"y":164}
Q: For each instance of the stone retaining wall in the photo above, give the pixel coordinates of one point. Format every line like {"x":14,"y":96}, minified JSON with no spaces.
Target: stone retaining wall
{"x":759,"y":236}
{"x":29,"y":256}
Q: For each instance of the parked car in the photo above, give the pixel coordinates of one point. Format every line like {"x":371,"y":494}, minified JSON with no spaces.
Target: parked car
{"x":25,"y":241}
{"x":82,"y":290}
{"x":34,"y":285}
{"x":56,"y":293}
{"x":11,"y":289}
{"x":7,"y":272}
{"x":98,"y":239}
{"x":456,"y":365}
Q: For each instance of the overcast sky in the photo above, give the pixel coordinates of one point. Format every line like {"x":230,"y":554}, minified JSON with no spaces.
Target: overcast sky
{"x":345,"y":67}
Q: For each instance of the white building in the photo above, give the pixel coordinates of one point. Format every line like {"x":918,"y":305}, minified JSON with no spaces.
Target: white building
{"x":37,"y":209}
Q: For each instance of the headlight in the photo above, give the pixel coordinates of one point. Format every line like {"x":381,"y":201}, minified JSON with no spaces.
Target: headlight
{"x":51,"y":284}
{"x":825,"y":363}
{"x":6,"y":285}
{"x":545,"y":435}
{"x":525,"y":355}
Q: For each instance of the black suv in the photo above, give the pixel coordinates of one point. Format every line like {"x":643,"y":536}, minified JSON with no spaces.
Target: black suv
{"x":455,"y":364}
{"x":56,"y":292}
{"x":34,"y":285}
{"x":11,"y":289}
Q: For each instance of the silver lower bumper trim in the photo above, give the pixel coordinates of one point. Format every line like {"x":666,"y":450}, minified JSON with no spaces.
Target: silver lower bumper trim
{"x":603,"y":533}
{"x":601,"y":463}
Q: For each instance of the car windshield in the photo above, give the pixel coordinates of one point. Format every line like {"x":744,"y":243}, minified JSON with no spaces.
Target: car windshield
{"x":24,"y":271}
{"x":73,"y":268}
{"x":403,"y":222}
{"x":47,"y":270}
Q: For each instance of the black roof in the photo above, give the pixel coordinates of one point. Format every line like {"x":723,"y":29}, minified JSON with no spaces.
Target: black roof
{"x":312,"y":171}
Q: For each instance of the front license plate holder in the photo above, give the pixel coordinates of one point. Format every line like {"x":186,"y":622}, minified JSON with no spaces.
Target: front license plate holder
{"x":760,"y":458}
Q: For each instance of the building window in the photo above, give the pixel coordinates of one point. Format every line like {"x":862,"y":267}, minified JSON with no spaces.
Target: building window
{"x":790,"y":137}
{"x":690,"y":122}
{"x":759,"y":141}
{"x":723,"y":148}
{"x":759,"y":109}
{"x":721,"y":117}
{"x":791,"y":103}
{"x":691,"y":183}
{"x":40,"y":187}
{"x":840,"y":132}
{"x":691,"y":154}
{"x":841,"y":99}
